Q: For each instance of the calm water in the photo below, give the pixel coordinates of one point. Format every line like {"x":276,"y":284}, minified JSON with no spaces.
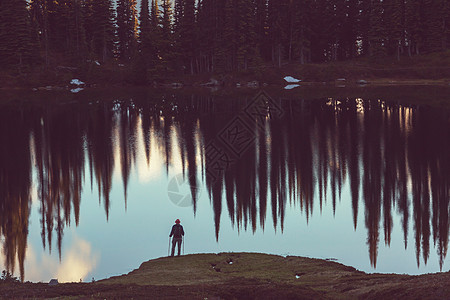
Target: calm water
{"x":91,"y":184}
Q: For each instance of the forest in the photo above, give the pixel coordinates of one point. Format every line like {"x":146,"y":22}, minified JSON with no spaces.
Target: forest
{"x":210,"y":36}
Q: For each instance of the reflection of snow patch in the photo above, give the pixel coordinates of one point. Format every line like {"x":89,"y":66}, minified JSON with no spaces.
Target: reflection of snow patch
{"x":76,"y":90}
{"x":291,"y":86}
{"x":76,"y":82}
{"x":291,"y":79}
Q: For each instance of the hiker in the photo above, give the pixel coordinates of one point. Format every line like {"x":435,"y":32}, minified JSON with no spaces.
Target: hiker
{"x":177,"y":233}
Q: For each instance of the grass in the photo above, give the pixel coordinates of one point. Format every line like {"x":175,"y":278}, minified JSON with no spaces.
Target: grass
{"x":314,"y":277}
{"x":213,"y":268}
{"x":242,"y":276}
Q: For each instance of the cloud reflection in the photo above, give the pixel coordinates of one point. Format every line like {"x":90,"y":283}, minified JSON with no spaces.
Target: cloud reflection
{"x":77,"y":263}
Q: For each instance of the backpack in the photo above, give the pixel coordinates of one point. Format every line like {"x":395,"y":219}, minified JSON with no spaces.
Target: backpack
{"x":177,"y":230}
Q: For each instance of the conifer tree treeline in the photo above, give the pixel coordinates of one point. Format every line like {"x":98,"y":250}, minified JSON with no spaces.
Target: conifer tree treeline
{"x":196,"y":36}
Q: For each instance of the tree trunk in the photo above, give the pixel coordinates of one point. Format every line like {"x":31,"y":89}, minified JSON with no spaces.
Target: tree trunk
{"x":279,"y":55}
{"x":302,"y":57}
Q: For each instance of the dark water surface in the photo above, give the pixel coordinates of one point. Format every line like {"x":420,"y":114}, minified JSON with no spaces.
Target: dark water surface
{"x":91,"y":184}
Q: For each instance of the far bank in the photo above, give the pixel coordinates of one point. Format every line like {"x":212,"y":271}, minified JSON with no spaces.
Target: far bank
{"x":419,"y":70}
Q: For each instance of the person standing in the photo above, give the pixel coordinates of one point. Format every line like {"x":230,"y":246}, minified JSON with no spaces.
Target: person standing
{"x":177,"y":233}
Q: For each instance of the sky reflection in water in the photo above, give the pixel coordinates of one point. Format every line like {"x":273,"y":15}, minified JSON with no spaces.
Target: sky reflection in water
{"x":86,"y":194}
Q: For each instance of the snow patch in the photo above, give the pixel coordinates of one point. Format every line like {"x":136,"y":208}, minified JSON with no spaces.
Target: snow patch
{"x":291,"y":79}
{"x":97,"y":63}
{"x":76,"y":82}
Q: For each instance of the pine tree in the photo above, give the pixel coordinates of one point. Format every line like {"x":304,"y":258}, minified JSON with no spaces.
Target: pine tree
{"x":412,"y":26}
{"x":247,"y":50}
{"x":164,"y":35}
{"x":184,"y":33}
{"x":208,"y":36}
{"x":66,"y":28}
{"x":228,"y":49}
{"x":340,"y":15}
{"x":394,"y":21}
{"x":322,"y":30}
{"x":446,"y":23}
{"x":18,"y":46}
{"x":277,"y":32}
{"x":301,"y":31}
{"x":178,"y":15}
{"x":154,"y":14}
{"x":363,"y":27}
{"x":377,"y":30}
{"x":262,"y":40}
{"x":39,"y":18}
{"x":76,"y":37}
{"x":350,"y":30}
{"x":126,"y":29}
{"x":432,"y":26}
{"x":145,"y":33}
{"x":99,"y":27}
{"x":188,"y":34}
{"x":61,"y":27}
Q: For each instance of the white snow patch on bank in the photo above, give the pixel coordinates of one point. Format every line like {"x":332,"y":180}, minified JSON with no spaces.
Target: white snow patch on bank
{"x":291,"y":79}
{"x":76,"y":82}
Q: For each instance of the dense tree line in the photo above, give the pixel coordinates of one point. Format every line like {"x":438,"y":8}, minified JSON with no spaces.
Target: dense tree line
{"x":197,"y":36}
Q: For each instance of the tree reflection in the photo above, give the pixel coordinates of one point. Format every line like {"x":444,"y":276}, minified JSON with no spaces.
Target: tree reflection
{"x":394,"y":159}
{"x":15,"y":186}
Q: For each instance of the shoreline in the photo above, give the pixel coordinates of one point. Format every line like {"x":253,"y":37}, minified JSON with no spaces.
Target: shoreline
{"x":435,"y":93}
{"x":241,"y":85}
{"x":429,"y":69}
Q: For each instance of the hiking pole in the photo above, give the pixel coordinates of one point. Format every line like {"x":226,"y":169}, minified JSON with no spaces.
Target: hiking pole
{"x":168,"y":249}
{"x":183,"y":243}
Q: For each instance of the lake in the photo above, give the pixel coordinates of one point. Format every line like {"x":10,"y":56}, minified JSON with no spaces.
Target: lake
{"x":91,"y":183}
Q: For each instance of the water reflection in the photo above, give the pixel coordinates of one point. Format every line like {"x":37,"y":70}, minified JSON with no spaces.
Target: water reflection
{"x":257,"y":156}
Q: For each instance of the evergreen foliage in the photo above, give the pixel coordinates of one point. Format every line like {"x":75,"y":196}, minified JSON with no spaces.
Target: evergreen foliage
{"x":145,"y":32}
{"x":185,"y":33}
{"x":100,"y":31}
{"x":126,"y":29}
{"x":17,"y":40}
{"x":166,"y":42}
{"x":193,"y":36}
{"x":376,"y":29}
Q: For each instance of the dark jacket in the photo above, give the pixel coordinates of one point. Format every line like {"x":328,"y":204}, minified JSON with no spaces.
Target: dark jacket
{"x":177,"y":231}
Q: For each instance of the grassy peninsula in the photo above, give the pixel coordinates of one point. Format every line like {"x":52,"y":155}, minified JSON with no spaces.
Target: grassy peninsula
{"x":242,"y":276}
